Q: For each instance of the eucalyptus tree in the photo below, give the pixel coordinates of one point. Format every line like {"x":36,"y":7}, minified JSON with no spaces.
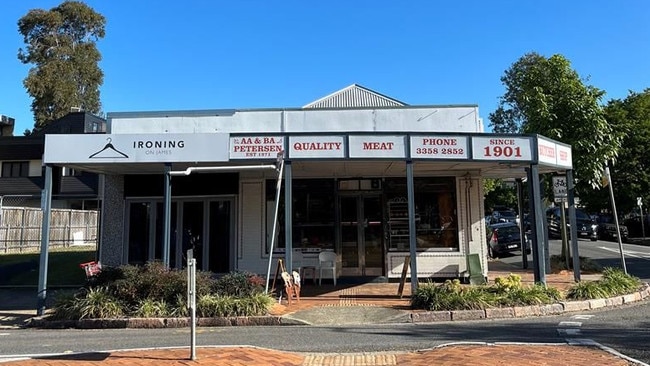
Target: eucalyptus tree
{"x":61,"y":46}
{"x":544,"y":95}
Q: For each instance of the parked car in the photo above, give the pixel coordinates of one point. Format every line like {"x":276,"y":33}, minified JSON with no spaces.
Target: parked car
{"x":504,"y":237}
{"x":607,"y":228}
{"x":586,"y":227}
{"x":502,"y":215}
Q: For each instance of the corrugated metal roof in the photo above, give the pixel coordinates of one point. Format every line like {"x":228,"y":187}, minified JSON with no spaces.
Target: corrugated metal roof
{"x":355,"y":96}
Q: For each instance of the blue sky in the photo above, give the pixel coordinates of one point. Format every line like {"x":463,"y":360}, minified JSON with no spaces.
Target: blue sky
{"x":203,"y":54}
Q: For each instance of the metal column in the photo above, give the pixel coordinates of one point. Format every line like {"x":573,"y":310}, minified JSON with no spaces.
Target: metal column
{"x":412,"y":236}
{"x":573,"y":225}
{"x":46,"y":205}
{"x":537,"y":225}
{"x":167,"y":203}
{"x":522,"y":228}
{"x":288,"y":217}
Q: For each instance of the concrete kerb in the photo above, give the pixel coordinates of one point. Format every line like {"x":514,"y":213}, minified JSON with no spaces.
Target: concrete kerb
{"x":413,"y":317}
{"x":530,"y":311}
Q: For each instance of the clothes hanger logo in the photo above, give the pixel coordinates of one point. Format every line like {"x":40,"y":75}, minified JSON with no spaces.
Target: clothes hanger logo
{"x":108,"y":152}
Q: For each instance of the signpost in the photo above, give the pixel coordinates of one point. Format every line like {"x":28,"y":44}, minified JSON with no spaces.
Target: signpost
{"x":639,"y":202}
{"x":191,"y":300}
{"x":560,"y":196}
{"x":559,"y":188}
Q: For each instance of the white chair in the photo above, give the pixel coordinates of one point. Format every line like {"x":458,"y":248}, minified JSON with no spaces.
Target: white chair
{"x":326,"y":261}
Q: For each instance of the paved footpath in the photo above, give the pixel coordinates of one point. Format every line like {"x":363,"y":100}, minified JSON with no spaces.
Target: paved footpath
{"x":458,"y":354}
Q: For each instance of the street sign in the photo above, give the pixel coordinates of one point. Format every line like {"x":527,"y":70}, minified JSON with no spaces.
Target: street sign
{"x":639,"y":201}
{"x":559,"y":186}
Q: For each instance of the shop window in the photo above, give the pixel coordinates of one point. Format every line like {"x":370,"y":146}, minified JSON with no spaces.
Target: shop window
{"x":15,"y":169}
{"x":313,"y":215}
{"x":436,"y":220}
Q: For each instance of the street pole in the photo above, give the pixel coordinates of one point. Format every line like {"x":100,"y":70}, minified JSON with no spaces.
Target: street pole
{"x":618,"y":230}
{"x":639,"y":201}
{"x":191,"y":300}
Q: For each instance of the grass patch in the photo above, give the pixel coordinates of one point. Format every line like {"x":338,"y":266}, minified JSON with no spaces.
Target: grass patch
{"x":22,"y":269}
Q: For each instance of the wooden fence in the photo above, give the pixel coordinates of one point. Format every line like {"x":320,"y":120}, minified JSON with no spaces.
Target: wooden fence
{"x":20,"y":228}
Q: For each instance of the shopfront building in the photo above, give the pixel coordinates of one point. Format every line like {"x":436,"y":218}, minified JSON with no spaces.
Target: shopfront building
{"x":372,"y":184}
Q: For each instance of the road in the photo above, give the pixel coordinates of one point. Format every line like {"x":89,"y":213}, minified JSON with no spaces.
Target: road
{"x":605,"y":253}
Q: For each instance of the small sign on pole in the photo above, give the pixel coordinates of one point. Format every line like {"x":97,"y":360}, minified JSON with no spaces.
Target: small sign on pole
{"x":639,"y":202}
{"x":560,"y":188}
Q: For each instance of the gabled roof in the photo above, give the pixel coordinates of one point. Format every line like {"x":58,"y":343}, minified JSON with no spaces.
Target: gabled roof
{"x":355,"y":96}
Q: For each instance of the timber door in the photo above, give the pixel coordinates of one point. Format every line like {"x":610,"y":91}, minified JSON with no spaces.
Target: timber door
{"x":361,"y":230}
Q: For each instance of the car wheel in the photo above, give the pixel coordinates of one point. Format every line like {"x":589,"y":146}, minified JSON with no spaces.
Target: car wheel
{"x":594,"y":239}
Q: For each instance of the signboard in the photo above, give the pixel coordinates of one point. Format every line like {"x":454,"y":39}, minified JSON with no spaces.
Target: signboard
{"x":255,"y":147}
{"x":547,"y":151}
{"x":560,"y":189}
{"x":564,"y":156}
{"x":501,"y":148}
{"x":377,"y":146}
{"x":135,"y":148}
{"x":639,"y":201}
{"x":316,"y":147}
{"x":439,"y":147}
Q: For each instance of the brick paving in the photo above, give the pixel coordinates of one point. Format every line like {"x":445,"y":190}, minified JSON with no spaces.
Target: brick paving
{"x":476,"y":355}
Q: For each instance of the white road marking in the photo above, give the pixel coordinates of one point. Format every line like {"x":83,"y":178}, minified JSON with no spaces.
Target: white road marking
{"x":570,"y":324}
{"x":629,"y":253}
{"x":582,"y":317}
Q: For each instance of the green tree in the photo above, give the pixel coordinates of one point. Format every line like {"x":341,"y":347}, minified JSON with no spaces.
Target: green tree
{"x":546,"y":96}
{"x":631,"y":172}
{"x":498,"y":193}
{"x":61,"y":44}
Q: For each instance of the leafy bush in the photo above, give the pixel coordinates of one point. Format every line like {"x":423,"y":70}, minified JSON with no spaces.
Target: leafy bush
{"x":150,"y":308}
{"x":534,"y":295}
{"x":451,"y":295}
{"x":153,"y":290}
{"x":239,"y":284}
{"x":226,"y":305}
{"x":614,"y":283}
{"x":90,"y":303}
{"x":586,"y":290}
{"x":506,"y":291}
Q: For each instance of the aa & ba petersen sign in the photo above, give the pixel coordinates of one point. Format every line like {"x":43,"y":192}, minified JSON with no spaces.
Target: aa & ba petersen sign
{"x":256,"y":147}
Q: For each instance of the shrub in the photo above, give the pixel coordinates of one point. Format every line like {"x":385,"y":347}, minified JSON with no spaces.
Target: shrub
{"x":220,"y":305}
{"x":614,"y":282}
{"x":506,"y":291}
{"x":507,"y":284}
{"x":150,"y":308}
{"x":64,"y":307}
{"x":239,"y":284}
{"x":534,"y":295}
{"x":618,"y":282}
{"x":87,"y":304}
{"x":586,"y":290}
{"x":451,"y":295}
